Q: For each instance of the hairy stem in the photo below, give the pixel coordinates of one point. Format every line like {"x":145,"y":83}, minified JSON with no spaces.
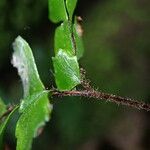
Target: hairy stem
{"x":97,"y":95}
{"x":104,"y":96}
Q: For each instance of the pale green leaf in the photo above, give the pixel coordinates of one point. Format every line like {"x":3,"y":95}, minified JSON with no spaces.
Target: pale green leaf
{"x":24,"y":61}
{"x":35,"y":107}
{"x":67,"y":73}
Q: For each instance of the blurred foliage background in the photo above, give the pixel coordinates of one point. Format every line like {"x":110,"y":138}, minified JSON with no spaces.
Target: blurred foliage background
{"x":116,"y":59}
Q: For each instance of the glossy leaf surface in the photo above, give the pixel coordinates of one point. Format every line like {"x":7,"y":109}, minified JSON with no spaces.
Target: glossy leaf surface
{"x":33,"y":117}
{"x":63,"y":39}
{"x":57,"y":10}
{"x":71,"y":4}
{"x":66,"y":67}
{"x":67,"y":73}
{"x":35,"y":107}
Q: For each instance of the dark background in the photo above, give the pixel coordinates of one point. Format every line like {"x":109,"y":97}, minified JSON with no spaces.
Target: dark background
{"x":116,"y":59}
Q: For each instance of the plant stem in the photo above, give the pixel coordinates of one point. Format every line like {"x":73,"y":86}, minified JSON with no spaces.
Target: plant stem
{"x":97,"y":95}
{"x":9,"y":110}
{"x":104,"y":96}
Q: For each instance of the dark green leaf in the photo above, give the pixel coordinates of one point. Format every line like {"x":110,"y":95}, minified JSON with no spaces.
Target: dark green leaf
{"x":67,"y":73}
{"x":3,"y":124}
{"x":77,"y":31}
{"x":57,"y":11}
{"x":2,"y":107}
{"x":33,"y":117}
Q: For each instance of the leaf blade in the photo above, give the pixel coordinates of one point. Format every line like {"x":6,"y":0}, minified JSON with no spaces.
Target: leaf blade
{"x":63,"y":39}
{"x":3,"y":125}
{"x":77,"y":31}
{"x":2,"y":107}
{"x":70,"y":5}
{"x":32,"y":118}
{"x":24,"y":61}
{"x":57,"y":11}
{"x":35,"y":107}
{"x":67,"y":74}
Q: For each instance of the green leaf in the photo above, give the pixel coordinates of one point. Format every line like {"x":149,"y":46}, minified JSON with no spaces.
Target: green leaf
{"x":67,"y":73}
{"x":35,"y":107}
{"x":33,"y":117}
{"x":57,"y":10}
{"x":63,"y":39}
{"x":2,"y":107}
{"x":3,"y":126}
{"x":23,"y":60}
{"x":77,"y":31}
{"x":71,"y":5}
{"x":25,"y":103}
{"x":2,"y":123}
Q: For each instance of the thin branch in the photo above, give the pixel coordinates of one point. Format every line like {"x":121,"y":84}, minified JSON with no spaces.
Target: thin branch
{"x":94,"y":94}
{"x":104,"y":96}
